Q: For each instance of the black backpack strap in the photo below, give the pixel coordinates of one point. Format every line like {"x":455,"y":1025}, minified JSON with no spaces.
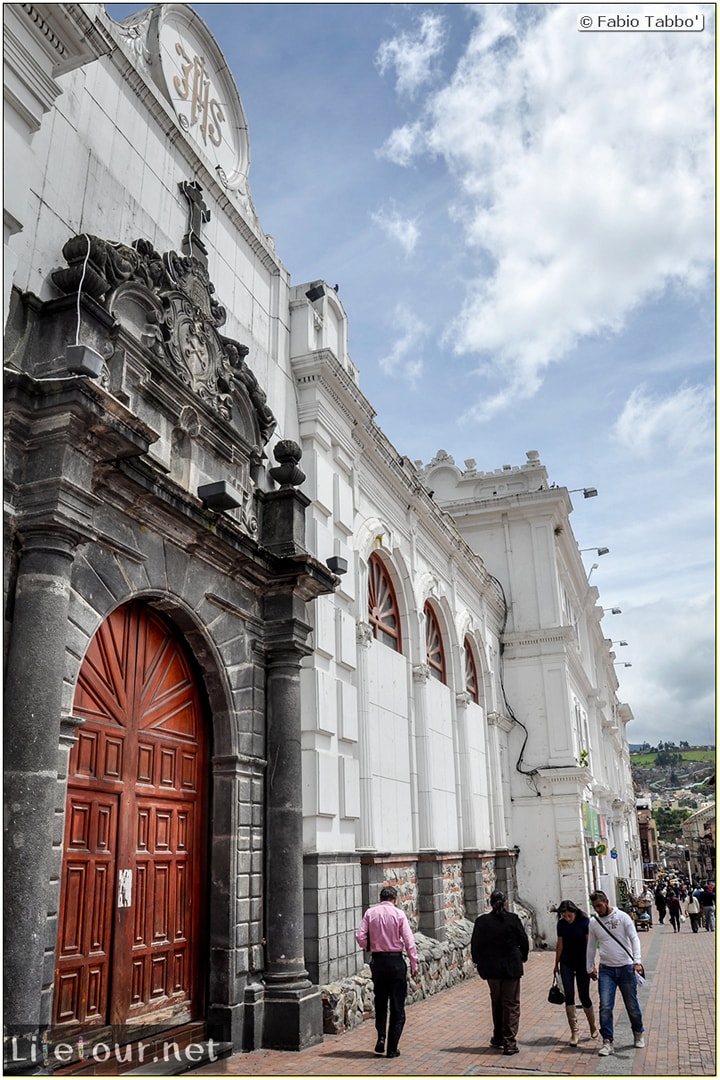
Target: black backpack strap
{"x":622,"y":944}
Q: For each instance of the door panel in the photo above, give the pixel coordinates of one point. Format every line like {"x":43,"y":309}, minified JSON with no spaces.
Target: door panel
{"x":134,"y":813}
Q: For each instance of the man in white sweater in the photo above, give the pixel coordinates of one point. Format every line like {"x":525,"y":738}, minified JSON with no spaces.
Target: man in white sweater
{"x":614,"y":934}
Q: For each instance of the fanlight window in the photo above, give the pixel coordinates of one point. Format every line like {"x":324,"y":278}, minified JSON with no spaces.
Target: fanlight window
{"x":435,"y":655}
{"x":383,"y":613}
{"x":471,"y":676}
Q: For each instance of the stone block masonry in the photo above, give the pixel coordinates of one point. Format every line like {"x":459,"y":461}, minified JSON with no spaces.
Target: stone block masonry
{"x":348,"y":1002}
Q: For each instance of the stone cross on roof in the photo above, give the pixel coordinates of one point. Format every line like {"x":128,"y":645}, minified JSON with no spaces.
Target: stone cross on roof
{"x":198,"y":215}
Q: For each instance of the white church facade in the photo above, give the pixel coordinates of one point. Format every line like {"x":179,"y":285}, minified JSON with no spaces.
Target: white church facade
{"x":258,"y":662}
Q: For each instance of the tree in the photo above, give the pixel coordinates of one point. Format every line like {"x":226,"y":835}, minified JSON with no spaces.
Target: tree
{"x":669,"y":821}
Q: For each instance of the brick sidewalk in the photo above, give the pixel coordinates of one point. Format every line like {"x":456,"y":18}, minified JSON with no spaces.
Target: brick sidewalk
{"x":447,"y":1035}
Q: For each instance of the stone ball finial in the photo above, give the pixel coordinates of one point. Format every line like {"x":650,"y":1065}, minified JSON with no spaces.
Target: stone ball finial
{"x":287,"y":473}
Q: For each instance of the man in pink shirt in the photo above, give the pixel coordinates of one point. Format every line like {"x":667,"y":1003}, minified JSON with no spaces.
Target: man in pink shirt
{"x":383,"y":931}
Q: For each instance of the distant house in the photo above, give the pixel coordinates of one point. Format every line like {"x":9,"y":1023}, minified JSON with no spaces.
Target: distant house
{"x":698,"y":833}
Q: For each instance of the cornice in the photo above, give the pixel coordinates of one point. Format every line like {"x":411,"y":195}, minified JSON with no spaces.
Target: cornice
{"x":547,"y":640}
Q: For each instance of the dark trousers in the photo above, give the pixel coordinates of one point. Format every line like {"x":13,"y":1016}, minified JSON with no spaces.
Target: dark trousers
{"x":675,"y":921}
{"x":505,"y":1003}
{"x":695,"y":921}
{"x":568,"y":975}
{"x":389,"y":975}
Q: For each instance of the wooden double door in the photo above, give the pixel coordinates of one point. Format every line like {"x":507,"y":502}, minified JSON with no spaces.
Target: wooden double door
{"x":130,"y":935}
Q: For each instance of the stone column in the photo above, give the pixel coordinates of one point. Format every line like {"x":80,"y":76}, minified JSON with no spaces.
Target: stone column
{"x":293,"y":1009}
{"x":33,"y":702}
{"x":366,"y":840}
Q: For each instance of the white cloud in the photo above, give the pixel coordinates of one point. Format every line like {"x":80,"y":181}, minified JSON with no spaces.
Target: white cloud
{"x":584,"y":166}
{"x":404,"y":359}
{"x":412,"y":55}
{"x":404,"y":230}
{"x":683,"y":421}
{"x":671,"y":685}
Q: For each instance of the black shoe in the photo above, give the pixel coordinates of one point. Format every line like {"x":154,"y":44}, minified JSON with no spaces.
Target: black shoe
{"x":512,"y":1050}
{"x":380,"y":1045}
{"x":393,"y":1053}
{"x":497,"y":1043}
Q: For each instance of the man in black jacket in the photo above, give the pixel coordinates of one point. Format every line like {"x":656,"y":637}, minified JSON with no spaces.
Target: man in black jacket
{"x":499,"y":948}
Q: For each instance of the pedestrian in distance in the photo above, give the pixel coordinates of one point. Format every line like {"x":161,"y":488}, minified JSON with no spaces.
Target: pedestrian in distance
{"x":613,"y":933}
{"x":660,"y":904}
{"x":674,"y":909}
{"x":570,"y":954}
{"x":499,"y":947}
{"x":384,"y":931}
{"x":692,"y":910}
{"x":707,"y":903}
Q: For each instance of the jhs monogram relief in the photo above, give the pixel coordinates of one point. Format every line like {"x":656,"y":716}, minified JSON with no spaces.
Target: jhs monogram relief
{"x":195,"y":86}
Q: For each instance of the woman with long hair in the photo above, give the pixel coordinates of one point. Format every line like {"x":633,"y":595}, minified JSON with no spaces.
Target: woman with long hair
{"x":572,"y":936}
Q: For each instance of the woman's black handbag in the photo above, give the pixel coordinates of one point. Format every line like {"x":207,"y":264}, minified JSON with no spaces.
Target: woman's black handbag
{"x":555,"y":994}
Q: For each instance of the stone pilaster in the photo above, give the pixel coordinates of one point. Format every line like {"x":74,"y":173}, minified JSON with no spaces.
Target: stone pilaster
{"x":421,"y":676}
{"x":469,"y":837}
{"x":33,"y":701}
{"x":366,"y":840}
{"x":431,"y":895}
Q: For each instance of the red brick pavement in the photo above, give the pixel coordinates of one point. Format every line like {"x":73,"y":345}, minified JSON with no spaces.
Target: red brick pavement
{"x":447,"y":1034}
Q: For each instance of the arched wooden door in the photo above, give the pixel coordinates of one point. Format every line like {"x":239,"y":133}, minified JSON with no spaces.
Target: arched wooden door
{"x":129,"y":936}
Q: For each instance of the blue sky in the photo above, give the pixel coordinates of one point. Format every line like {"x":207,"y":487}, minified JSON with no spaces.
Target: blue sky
{"x":520,"y":218}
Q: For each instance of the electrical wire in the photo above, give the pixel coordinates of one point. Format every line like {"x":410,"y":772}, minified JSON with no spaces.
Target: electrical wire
{"x":82,"y":279}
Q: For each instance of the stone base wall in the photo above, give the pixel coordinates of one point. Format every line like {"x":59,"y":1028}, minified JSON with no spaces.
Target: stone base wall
{"x":332,"y":897}
{"x":347,"y":1003}
{"x":445,"y":891}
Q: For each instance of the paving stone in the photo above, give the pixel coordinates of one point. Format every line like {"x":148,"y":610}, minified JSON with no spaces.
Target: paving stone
{"x":448,"y":1034}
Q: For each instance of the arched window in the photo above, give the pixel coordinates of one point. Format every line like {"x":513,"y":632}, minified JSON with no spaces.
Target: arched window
{"x":383,"y":613}
{"x":472,"y":684}
{"x":434,"y":654}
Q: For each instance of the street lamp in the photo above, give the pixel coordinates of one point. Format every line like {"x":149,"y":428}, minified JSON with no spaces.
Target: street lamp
{"x":588,"y":493}
{"x":622,"y":663}
{"x":600,"y":550}
{"x":612,"y":610}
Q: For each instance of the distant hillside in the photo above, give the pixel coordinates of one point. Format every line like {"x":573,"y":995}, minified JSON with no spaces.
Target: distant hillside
{"x":647,"y":758}
{"x":668,"y":772}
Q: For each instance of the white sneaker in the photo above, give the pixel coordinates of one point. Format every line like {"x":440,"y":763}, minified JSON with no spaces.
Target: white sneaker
{"x":639,"y":1042}
{"x":606,"y":1050}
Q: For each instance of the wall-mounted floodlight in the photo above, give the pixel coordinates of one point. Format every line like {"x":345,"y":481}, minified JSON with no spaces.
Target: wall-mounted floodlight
{"x":316,"y":292}
{"x":337,"y":564}
{"x":219,"y":495}
{"x":588,"y":493}
{"x":82,"y":360}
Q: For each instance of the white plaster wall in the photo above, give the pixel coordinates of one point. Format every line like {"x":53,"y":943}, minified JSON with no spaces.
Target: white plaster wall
{"x":389,"y":745}
{"x":441,"y":756}
{"x":478,"y":751}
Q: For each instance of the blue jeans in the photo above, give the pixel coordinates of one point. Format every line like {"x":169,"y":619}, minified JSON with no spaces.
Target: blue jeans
{"x":609,"y":978}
